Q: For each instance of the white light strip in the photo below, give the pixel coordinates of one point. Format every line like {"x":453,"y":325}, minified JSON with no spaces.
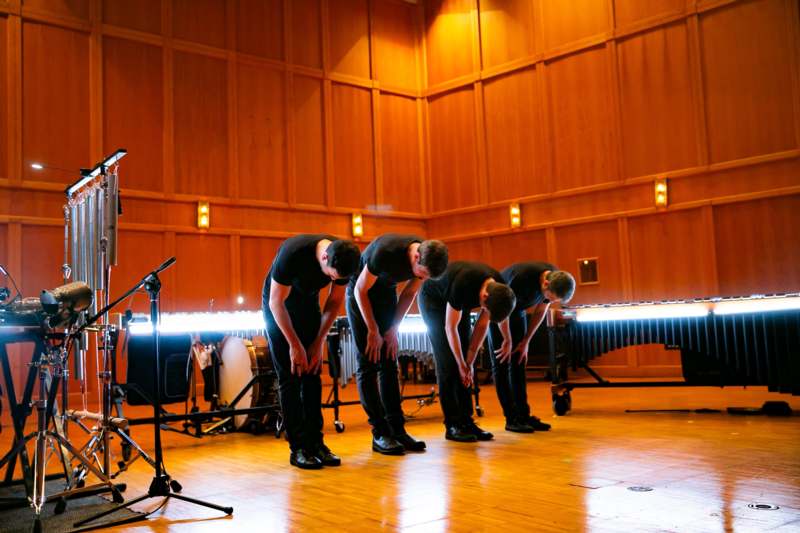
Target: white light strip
{"x":758,"y":305}
{"x":202,"y":322}
{"x":640,"y":312}
{"x":412,"y":324}
{"x":233,"y":321}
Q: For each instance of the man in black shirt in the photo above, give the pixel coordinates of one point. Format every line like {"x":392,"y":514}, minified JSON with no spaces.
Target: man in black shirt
{"x":375,"y":313}
{"x":297,"y":329}
{"x":536,"y":285}
{"x":445,"y":305}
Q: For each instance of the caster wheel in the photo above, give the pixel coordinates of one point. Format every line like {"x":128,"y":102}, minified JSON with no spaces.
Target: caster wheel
{"x":560,"y":406}
{"x":61,"y":506}
{"x":479,"y":410}
{"x":175,"y":486}
{"x":37,"y":525}
{"x":339,"y":426}
{"x":115,"y":494}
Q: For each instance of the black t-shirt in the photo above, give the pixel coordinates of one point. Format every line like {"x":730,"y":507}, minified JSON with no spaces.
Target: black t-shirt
{"x":296,"y":265}
{"x":460,"y":286}
{"x":523,"y":278}
{"x":387,"y":258}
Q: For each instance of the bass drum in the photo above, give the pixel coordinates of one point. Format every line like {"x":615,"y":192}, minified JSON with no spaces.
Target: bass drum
{"x":241,"y":361}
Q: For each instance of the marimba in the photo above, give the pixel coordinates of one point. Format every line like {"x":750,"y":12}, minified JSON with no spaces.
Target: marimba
{"x":723,"y":341}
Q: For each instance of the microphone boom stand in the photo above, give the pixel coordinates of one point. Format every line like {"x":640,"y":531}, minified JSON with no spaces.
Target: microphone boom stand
{"x":162,"y":484}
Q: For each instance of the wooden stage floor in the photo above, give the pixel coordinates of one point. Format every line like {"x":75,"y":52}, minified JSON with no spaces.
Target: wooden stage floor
{"x":704,"y":470}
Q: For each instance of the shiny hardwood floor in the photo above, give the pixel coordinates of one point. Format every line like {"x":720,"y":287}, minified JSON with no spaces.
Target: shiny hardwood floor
{"x":703,"y":469}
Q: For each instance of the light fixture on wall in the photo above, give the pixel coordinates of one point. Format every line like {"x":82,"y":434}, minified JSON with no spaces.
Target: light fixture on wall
{"x":240,"y":299}
{"x":358,"y":225}
{"x":203,"y":215}
{"x":515,"y":215}
{"x":661,"y":193}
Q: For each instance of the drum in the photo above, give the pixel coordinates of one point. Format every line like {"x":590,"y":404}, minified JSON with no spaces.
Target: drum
{"x":242,"y":360}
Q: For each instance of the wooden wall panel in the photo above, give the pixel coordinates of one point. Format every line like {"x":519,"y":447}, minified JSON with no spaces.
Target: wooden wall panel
{"x":449,"y":35}
{"x":757,"y":246}
{"x":627,"y":12}
{"x":506,"y":30}
{"x":565,"y":22}
{"x":139,"y":253}
{"x":748,"y":81}
{"x":261,"y":133}
{"x":453,"y":150}
{"x":306,"y":32}
{"x":354,"y":172}
{"x":201,"y":125}
{"x":309,"y":153}
{"x":257,"y":256}
{"x":349,"y":37}
{"x":581,"y":119}
{"x":200,"y":21}
{"x":43,"y":256}
{"x":599,"y":240}
{"x":518,"y":247}
{"x":469,"y":250}
{"x":69,"y":8}
{"x":671,"y":256}
{"x":512,"y":114}
{"x":395,"y":57}
{"x":400,"y":154}
{"x":259,"y":28}
{"x":3,"y":99}
{"x":4,"y":249}
{"x":133,"y":115}
{"x":55,"y":114}
{"x":203,"y":272}
{"x":142,"y":15}
{"x":658,"y":130}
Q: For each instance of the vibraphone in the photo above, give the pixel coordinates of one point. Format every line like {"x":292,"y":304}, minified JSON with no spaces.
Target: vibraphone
{"x":723,"y":341}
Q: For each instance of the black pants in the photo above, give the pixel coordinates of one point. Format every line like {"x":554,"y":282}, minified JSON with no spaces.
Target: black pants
{"x":510,"y":380}
{"x":300,"y":396}
{"x":455,"y":398}
{"x":378,"y":384}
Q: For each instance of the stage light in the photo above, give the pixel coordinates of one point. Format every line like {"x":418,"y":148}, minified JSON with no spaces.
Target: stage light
{"x":240,"y":300}
{"x":661,"y":192}
{"x":515,"y":215}
{"x":37,"y":166}
{"x":358,"y":225}
{"x":203,"y":215}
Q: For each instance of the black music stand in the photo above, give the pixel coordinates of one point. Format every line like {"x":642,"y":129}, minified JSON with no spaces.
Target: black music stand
{"x":162,"y":484}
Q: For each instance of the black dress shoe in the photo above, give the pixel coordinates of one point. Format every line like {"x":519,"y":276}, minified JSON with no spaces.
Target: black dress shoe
{"x":387,"y":446}
{"x":538,"y":425}
{"x":518,"y":427}
{"x":459,"y":435}
{"x":327,"y":457}
{"x":478,"y":432}
{"x":410,"y":443}
{"x":302,"y":459}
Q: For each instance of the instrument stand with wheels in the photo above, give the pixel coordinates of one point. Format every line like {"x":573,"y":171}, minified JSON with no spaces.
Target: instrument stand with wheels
{"x":162,"y":484}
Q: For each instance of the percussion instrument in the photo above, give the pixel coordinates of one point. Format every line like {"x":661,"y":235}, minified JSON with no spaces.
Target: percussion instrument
{"x":741,"y":341}
{"x":245,"y":362}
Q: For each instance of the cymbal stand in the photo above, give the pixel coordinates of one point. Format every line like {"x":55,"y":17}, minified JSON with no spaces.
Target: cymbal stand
{"x":98,"y":448}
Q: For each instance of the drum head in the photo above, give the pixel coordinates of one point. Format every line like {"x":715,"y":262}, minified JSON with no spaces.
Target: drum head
{"x":235,"y":373}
